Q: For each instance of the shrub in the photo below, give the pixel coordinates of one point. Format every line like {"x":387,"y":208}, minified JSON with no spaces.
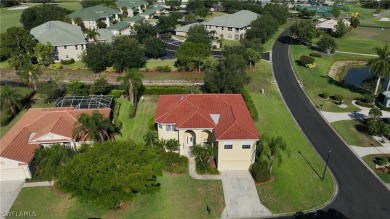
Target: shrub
{"x":56,"y":66}
{"x":305,"y":60}
{"x":174,"y":163}
{"x":383,"y":107}
{"x":364,"y":104}
{"x":260,"y":171}
{"x":164,"y":68}
{"x":116,"y":93}
{"x":316,"y":54}
{"x":110,"y":69}
{"x":75,"y":67}
{"x":311,"y":65}
{"x":325,"y":95}
{"x":151,"y":125}
{"x":251,"y":106}
{"x":339,"y":98}
{"x":67,"y":61}
{"x":381,"y":161}
{"x":157,"y":90}
{"x":133,"y":111}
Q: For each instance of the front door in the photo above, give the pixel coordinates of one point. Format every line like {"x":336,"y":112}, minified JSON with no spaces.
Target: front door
{"x":190,"y":141}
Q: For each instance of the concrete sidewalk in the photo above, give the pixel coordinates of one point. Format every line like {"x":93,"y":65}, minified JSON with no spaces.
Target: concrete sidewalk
{"x":364,"y":151}
{"x":193,"y":174}
{"x":9,"y":191}
{"x":38,"y":184}
{"x":241,"y":197}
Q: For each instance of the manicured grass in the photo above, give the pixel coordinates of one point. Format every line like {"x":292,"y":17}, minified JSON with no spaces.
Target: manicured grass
{"x":11,"y":18}
{"x":136,"y":128}
{"x":226,"y":42}
{"x":353,"y":133}
{"x":369,"y":159}
{"x":151,"y":64}
{"x":180,"y":196}
{"x":366,"y":16}
{"x":316,"y":81}
{"x":270,"y":43}
{"x":38,"y":102}
{"x":369,"y":37}
{"x":296,"y":186}
{"x":78,"y":64}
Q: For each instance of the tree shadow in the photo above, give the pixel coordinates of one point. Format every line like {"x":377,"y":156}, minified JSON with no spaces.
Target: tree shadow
{"x":344,"y":85}
{"x":320,"y":214}
{"x":299,"y":152}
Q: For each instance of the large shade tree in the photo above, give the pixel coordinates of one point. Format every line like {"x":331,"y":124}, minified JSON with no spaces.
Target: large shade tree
{"x":272,"y":149}
{"x":94,"y":126}
{"x":111,"y":173}
{"x":380,"y":66}
{"x":131,"y":84}
{"x":29,"y":74}
{"x":10,"y":98}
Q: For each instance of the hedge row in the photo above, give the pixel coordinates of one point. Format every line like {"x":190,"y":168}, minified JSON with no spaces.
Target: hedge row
{"x":116,"y":93}
{"x":361,"y":103}
{"x":383,"y":107}
{"x":67,"y":61}
{"x":158,"y":90}
{"x":251,"y":106}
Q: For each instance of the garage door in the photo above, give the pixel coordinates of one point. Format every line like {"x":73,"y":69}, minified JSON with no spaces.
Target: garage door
{"x":233,"y":165}
{"x":12,"y":174}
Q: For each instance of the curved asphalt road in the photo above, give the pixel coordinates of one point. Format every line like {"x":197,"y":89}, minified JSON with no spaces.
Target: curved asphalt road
{"x":360,"y":194}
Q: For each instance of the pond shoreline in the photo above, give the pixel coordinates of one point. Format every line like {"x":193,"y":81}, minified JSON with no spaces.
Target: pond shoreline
{"x":339,"y":69}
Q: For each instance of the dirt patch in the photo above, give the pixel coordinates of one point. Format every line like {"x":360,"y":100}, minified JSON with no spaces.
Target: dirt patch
{"x":339,"y":69}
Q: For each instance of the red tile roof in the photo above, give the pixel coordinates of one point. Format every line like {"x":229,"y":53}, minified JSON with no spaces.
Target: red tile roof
{"x":23,"y":138}
{"x":193,"y":111}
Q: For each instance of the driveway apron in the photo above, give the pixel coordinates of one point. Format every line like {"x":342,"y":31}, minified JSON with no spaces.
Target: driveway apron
{"x":241,"y":198}
{"x":9,"y":191}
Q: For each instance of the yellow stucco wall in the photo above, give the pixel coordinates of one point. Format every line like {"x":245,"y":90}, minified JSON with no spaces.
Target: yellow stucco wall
{"x":236,"y":158}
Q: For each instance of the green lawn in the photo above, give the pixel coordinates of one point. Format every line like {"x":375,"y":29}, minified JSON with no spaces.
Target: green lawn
{"x":151,"y":64}
{"x":11,"y":18}
{"x":180,"y":196}
{"x":353,"y":133}
{"x":369,"y":37}
{"x":366,"y":16}
{"x":296,"y":186}
{"x":369,"y":159}
{"x":316,"y":81}
{"x":136,"y":128}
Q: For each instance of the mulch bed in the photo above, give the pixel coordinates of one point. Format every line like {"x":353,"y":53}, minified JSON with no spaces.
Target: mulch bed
{"x":271,"y":179}
{"x":56,"y":191}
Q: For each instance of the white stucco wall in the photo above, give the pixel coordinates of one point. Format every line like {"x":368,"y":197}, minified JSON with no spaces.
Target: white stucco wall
{"x":13,"y":170}
{"x":71,"y":51}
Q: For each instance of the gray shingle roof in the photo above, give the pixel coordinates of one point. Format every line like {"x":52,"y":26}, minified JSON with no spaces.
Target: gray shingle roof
{"x":105,"y":35}
{"x":152,"y":10}
{"x":134,"y":19}
{"x":239,"y":19}
{"x":94,"y":13}
{"x":130,"y":3}
{"x":187,"y":27}
{"x":58,"y":33}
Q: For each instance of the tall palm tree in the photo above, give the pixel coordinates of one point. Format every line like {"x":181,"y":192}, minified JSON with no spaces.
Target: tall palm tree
{"x":204,"y":153}
{"x":10,"y":98}
{"x":96,"y":126}
{"x":272,"y":148}
{"x":380,"y":66}
{"x":29,"y":74}
{"x":132,"y":84}
{"x":91,"y":34}
{"x":49,"y":159}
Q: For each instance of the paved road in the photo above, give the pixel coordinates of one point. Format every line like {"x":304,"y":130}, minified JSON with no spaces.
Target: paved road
{"x":360,"y":194}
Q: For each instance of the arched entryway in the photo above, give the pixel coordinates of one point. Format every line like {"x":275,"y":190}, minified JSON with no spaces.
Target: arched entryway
{"x":206,"y":137}
{"x":189,"y":138}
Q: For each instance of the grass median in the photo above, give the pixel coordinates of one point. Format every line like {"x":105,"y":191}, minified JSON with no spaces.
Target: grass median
{"x":354,"y":133}
{"x":296,"y":186}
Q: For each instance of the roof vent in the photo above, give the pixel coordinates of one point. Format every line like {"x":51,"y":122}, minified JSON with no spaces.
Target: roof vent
{"x":181,"y":98}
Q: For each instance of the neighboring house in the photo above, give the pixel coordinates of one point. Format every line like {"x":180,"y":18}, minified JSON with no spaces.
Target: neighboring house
{"x":134,"y":20}
{"x":183,"y":30}
{"x":37,"y":127}
{"x":150,"y":13}
{"x":92,"y":15}
{"x":232,"y":26}
{"x":120,"y":28}
{"x":217,"y":7}
{"x":330,"y":25}
{"x":386,"y":101}
{"x":133,"y":6}
{"x":220,"y":120}
{"x":68,"y":40}
{"x":104,"y":36}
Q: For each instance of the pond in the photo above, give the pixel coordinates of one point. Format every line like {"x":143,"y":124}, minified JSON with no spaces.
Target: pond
{"x":355,"y":76}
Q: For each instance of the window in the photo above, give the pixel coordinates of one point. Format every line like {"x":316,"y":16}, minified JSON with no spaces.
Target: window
{"x":159,"y":126}
{"x":228,"y":145}
{"x":222,"y":28}
{"x":237,"y":29}
{"x":246,"y":144}
{"x":67,"y":56}
{"x":229,"y":29}
{"x":229,"y":36}
{"x":170,"y":128}
{"x":65,"y":47}
{"x":76,"y":47}
{"x":82,"y":46}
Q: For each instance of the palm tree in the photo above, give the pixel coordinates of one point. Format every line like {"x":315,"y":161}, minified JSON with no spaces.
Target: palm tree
{"x":29,"y":74}
{"x":49,"y":159}
{"x":375,"y":113}
{"x":253,"y":56}
{"x":272,"y":148}
{"x":91,"y":34}
{"x":380,"y":66}
{"x":131,"y":83}
{"x":204,"y":153}
{"x":96,"y":126}
{"x":11,"y":99}
{"x":150,"y":138}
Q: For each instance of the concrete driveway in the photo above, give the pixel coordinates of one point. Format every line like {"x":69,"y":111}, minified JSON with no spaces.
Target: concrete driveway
{"x":241,"y":198}
{"x":9,"y":190}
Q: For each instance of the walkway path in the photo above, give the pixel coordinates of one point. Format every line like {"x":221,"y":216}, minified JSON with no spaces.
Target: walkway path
{"x":194,"y":175}
{"x":364,"y":151}
{"x":360,"y":54}
{"x":38,"y":184}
